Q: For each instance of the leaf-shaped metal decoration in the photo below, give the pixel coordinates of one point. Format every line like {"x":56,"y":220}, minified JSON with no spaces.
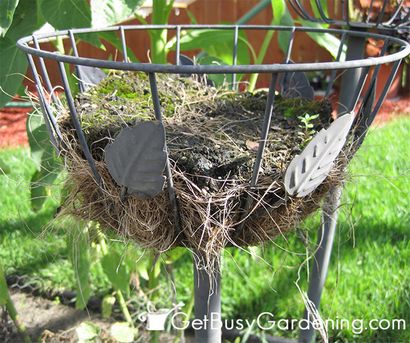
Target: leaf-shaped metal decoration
{"x":136,"y":159}
{"x":308,"y":170}
{"x":297,"y":85}
{"x":90,"y":76}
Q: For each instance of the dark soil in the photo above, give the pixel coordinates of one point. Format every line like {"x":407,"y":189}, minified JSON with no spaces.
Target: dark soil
{"x":48,"y":321}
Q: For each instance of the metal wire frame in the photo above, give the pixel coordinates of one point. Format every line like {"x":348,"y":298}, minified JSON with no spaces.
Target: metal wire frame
{"x":301,"y":9}
{"x":367,"y":110}
{"x":24,"y":44}
{"x":275,"y":70}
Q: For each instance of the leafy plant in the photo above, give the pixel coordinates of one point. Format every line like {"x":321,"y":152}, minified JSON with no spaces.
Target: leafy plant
{"x":79,"y":255}
{"x":216,"y":48}
{"x":307,"y":125}
{"x":22,"y":18}
{"x":160,"y":14}
{"x":44,"y":157}
{"x":281,"y":16}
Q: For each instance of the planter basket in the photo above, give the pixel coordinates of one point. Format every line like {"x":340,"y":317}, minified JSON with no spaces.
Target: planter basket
{"x":135,"y":176}
{"x":189,"y":164}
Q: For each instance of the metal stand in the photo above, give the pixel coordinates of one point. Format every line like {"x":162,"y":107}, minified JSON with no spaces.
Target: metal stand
{"x":354,"y":71}
{"x":350,"y":81}
{"x":322,"y":256}
{"x":207,"y":305}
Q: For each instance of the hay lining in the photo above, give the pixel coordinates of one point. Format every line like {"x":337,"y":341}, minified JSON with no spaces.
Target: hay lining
{"x":211,"y":136}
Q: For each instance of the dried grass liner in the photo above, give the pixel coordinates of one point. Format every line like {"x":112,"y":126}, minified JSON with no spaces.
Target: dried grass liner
{"x":208,"y":221}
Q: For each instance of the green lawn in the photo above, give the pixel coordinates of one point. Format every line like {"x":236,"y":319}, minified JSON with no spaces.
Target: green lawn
{"x":369,"y":276}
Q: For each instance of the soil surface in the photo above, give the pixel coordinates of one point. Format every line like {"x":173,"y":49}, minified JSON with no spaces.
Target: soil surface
{"x":50,"y":322}
{"x":46,"y":320}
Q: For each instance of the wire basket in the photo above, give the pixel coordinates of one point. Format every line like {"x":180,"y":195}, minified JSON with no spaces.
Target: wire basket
{"x":344,"y":72}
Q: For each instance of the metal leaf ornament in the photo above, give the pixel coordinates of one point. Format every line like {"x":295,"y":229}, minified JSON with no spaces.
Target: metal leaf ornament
{"x":308,"y":170}
{"x":90,"y":76}
{"x":136,"y":159}
{"x":297,"y":85}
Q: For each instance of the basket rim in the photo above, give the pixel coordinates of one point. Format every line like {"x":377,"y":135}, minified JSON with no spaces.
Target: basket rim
{"x":23,"y":44}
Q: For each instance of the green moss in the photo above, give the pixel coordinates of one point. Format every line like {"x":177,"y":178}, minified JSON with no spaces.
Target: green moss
{"x":295,"y":107}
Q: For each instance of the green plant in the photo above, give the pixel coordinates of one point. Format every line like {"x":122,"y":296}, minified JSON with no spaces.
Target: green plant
{"x":42,"y":153}
{"x":281,"y":16}
{"x":307,"y":125}
{"x":213,"y":51}
{"x":113,"y":265}
{"x":22,"y":18}
{"x":160,"y":14}
{"x":5,"y":300}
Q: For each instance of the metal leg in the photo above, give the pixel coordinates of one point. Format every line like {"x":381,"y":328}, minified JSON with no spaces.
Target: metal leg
{"x":355,"y":50}
{"x":322,"y":256}
{"x":207,"y":305}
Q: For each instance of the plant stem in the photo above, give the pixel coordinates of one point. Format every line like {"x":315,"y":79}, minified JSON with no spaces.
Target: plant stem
{"x":188,"y":311}
{"x":124,"y":308}
{"x":259,"y":60}
{"x":120,"y":296}
{"x":10,"y":308}
{"x":160,"y":14}
{"x":153,"y":281}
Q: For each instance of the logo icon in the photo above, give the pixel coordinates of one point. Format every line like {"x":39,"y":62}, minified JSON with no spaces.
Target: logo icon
{"x":155,"y":320}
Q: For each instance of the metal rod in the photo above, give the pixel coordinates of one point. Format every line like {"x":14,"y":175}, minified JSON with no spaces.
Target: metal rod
{"x":381,"y":14}
{"x":261,"y":148}
{"x":178,"y":47}
{"x":299,"y":11}
{"x":385,"y":89}
{"x":355,"y":50}
{"x":345,"y":10}
{"x":77,"y":69}
{"x":44,"y":72}
{"x":395,"y":14}
{"x":218,"y":69}
{"x":370,"y":11}
{"x":235,"y":54}
{"x":322,"y":256}
{"x":307,"y":15}
{"x":358,"y":89}
{"x":76,"y":123}
{"x":287,"y":58}
{"x":322,"y":12}
{"x":361,"y":124}
{"x":290,"y":45}
{"x":170,"y":184}
{"x":49,"y":119}
{"x":123,"y":44}
{"x":265,"y":130}
{"x":207,"y":294}
{"x":364,"y":118}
